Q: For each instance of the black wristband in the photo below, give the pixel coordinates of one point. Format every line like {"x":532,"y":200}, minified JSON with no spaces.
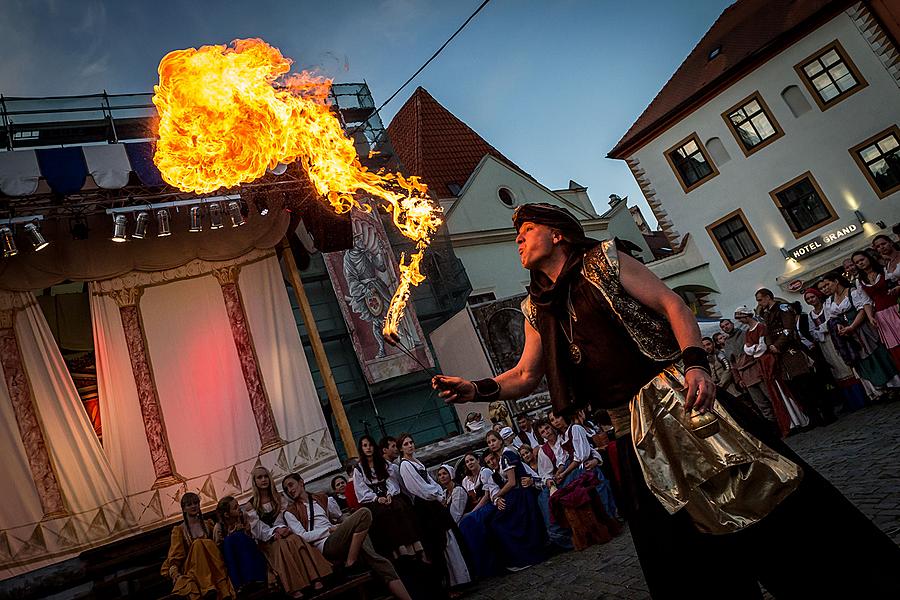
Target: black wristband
{"x":486,"y":390}
{"x":695,"y":356}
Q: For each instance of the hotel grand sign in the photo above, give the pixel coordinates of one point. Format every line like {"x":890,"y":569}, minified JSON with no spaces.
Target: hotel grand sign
{"x":824,"y":241}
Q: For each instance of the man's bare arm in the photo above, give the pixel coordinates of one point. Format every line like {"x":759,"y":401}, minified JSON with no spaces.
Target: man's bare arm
{"x":515,"y":383}
{"x":649,"y":290}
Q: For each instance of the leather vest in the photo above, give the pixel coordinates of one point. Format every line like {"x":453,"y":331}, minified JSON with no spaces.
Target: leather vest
{"x":650,"y":330}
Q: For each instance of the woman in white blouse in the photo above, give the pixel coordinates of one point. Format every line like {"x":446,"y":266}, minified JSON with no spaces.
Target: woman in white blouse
{"x":478,"y":482}
{"x":850,"y":316}
{"x":584,"y":458}
{"x":377,"y":488}
{"x":455,"y":496}
{"x":435,"y":522}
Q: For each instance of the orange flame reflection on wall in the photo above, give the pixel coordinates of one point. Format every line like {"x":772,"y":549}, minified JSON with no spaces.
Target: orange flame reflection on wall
{"x":228,"y":113}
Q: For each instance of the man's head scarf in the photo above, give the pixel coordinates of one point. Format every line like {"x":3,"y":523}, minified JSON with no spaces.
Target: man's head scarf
{"x":743,"y":311}
{"x":556,"y":217}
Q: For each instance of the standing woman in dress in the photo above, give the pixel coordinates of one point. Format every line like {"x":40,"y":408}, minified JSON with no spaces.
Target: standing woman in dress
{"x":297,"y":564}
{"x":845,"y":379}
{"x":850,"y":313}
{"x":889,"y":253}
{"x":435,"y":523}
{"x":194,"y":563}
{"x":393,"y":530}
{"x":518,"y":524}
{"x":884,"y":293}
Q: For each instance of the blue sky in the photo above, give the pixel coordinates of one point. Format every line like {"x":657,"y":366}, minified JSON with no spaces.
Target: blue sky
{"x":552,"y":84}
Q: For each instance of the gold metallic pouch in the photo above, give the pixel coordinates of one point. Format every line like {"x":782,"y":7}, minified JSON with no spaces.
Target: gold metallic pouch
{"x":725,"y":481}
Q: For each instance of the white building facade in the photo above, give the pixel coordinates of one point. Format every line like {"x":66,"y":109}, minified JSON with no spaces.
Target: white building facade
{"x":480,"y":225}
{"x":778,"y":175}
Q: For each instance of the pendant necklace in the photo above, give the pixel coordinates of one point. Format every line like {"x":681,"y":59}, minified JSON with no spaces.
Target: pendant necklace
{"x":574,"y":350}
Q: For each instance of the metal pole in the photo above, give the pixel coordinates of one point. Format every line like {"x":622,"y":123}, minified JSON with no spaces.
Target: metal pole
{"x":334,"y":397}
{"x":112,"y":122}
{"x":6,"y":124}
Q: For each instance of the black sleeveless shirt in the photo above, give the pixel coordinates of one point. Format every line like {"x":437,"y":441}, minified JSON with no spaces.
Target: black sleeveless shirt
{"x":612,"y":368}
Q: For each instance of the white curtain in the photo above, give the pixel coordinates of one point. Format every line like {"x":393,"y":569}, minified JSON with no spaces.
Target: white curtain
{"x":282,"y":360}
{"x":209,"y":423}
{"x":96,"y":512}
{"x":198,"y":376}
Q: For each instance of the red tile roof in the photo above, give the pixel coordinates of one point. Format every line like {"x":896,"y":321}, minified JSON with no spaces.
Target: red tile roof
{"x":434,"y":144}
{"x":748,"y":32}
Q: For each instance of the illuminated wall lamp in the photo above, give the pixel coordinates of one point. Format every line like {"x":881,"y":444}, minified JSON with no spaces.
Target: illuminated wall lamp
{"x":785,"y":254}
{"x":859,"y":217}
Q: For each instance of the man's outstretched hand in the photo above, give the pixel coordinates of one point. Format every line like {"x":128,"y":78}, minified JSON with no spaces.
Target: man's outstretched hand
{"x":454,"y":390}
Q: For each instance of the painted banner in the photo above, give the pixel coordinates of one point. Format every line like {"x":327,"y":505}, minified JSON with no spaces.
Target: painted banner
{"x":364,"y":279}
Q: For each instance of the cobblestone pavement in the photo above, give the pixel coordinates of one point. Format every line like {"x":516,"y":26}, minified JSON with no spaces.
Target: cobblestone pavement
{"x":859,"y":454}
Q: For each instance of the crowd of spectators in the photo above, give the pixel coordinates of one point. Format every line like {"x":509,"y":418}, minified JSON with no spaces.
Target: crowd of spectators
{"x":798,"y":367}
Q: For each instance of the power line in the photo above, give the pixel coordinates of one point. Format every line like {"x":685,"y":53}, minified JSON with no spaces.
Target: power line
{"x":427,"y":62}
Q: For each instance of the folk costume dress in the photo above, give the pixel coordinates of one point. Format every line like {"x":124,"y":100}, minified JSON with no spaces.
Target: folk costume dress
{"x":245,"y":563}
{"x":518,"y":528}
{"x":295,"y":563}
{"x":475,"y":524}
{"x":852,"y":392}
{"x":456,"y":502}
{"x":861,"y":349}
{"x":394,"y":532}
{"x":196,"y":565}
{"x":435,"y":521}
{"x":886,"y":312}
{"x":629,"y":352}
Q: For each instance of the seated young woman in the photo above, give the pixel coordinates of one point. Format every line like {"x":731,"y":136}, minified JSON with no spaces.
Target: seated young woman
{"x":583,"y":458}
{"x":435,"y":522}
{"x":245,"y":563}
{"x":194,"y":563}
{"x":455,"y":496}
{"x":339,"y":493}
{"x":518,"y":525}
{"x":346,"y":543}
{"x":394,"y":532}
{"x":297,"y":564}
{"x":530,"y":464}
{"x":478,"y":480}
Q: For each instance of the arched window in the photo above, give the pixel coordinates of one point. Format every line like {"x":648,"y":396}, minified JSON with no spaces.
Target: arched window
{"x":717,"y":150}
{"x":795,"y":100}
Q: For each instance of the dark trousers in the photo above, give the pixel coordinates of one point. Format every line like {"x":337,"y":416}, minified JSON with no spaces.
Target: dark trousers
{"x":809,"y":390}
{"x":815,"y":544}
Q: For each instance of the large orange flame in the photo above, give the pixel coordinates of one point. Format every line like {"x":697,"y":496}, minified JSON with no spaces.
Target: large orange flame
{"x":228,"y":113}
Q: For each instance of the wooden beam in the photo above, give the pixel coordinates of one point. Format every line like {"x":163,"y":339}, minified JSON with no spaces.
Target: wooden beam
{"x":334,"y":397}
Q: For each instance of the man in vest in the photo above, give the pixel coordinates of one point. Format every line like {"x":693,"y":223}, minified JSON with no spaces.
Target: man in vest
{"x":607,"y":333}
{"x":795,"y":365}
{"x":345,"y":543}
{"x":526,"y":433}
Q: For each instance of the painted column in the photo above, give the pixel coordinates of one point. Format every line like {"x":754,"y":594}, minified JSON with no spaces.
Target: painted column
{"x":27,"y":419}
{"x":154,"y":427}
{"x":243,"y":342}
